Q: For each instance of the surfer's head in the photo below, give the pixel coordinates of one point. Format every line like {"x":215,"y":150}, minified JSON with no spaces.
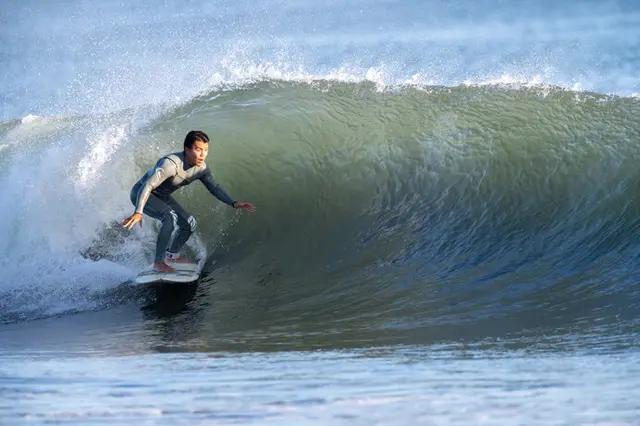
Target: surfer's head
{"x":196,"y":147}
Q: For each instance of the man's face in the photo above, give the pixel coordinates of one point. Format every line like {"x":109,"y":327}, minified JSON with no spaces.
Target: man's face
{"x":197,"y":153}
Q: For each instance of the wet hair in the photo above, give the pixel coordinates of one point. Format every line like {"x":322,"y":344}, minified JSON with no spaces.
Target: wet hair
{"x":193,"y":137}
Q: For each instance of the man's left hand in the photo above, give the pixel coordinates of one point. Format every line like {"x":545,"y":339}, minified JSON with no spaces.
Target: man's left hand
{"x":244,"y":206}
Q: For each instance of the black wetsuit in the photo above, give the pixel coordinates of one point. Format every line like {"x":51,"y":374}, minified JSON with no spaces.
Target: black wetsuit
{"x":152,"y":195}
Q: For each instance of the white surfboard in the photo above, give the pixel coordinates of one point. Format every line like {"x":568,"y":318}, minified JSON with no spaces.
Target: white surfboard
{"x":184,"y":273}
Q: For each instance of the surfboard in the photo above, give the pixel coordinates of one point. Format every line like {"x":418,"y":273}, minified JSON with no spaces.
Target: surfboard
{"x":184,"y":273}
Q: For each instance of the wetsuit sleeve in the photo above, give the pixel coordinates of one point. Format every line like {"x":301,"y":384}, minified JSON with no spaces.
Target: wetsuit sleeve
{"x":161,"y":172}
{"x":215,"y":189}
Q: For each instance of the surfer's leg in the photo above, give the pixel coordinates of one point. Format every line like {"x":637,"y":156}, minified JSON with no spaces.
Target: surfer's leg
{"x":186,"y":226}
{"x":162,"y":211}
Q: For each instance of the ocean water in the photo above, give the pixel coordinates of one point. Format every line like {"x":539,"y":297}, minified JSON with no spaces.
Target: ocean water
{"x":447,"y":225}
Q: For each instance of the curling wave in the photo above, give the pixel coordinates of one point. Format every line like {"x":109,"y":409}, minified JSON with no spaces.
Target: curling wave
{"x":408,"y":206}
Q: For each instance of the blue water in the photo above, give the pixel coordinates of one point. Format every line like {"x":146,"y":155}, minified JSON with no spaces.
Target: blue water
{"x":447,"y":203}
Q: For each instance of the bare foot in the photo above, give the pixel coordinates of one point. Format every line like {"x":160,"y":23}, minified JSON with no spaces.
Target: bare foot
{"x":162,"y":267}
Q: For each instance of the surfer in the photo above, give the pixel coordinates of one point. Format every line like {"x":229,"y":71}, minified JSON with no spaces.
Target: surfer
{"x":151,"y":195}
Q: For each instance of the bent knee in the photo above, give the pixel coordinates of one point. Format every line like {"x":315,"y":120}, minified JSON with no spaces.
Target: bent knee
{"x":170,"y":217}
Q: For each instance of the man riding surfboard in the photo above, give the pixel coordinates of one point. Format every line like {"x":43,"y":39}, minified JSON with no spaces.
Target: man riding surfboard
{"x":151,"y":195}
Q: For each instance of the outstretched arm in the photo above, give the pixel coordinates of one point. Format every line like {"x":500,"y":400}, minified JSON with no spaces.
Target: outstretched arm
{"x":217,"y":191}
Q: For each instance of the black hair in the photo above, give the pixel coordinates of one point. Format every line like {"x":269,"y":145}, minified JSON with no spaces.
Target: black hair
{"x":195,"y":136}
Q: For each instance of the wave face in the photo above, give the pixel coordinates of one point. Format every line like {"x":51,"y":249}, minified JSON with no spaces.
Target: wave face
{"x":399,"y":208}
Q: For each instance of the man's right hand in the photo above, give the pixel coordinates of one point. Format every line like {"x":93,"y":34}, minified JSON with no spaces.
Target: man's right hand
{"x":132,"y":220}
